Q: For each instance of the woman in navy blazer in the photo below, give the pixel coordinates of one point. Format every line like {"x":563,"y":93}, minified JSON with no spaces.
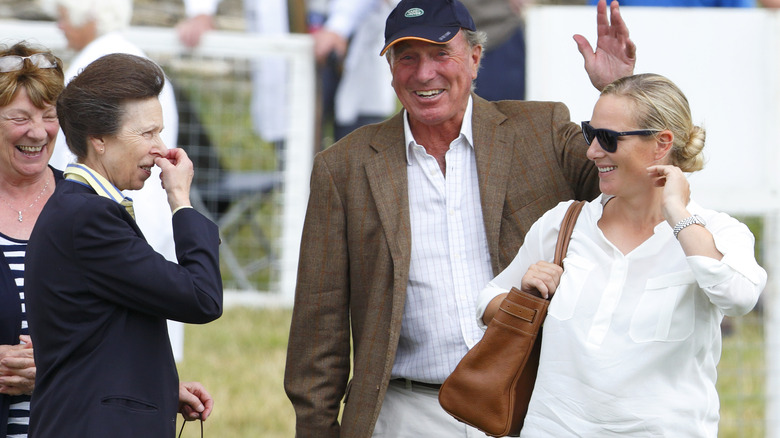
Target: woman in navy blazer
{"x":98,"y":295}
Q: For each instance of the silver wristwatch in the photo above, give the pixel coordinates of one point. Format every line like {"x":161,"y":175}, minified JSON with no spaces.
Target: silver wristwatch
{"x":695,"y":219}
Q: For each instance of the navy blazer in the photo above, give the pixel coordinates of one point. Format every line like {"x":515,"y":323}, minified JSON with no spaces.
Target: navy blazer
{"x":98,"y":297}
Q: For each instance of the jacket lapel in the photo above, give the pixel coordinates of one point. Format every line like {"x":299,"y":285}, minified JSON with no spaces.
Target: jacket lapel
{"x":493,"y":151}
{"x":387,"y":179}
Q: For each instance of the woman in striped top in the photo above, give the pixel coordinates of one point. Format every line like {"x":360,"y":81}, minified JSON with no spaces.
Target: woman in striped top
{"x":31,"y":79}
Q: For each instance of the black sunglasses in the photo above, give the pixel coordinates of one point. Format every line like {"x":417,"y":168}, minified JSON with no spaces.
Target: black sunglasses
{"x":608,"y":138}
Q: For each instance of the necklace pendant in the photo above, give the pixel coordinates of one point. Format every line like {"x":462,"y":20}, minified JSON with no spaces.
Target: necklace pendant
{"x":20,"y":216}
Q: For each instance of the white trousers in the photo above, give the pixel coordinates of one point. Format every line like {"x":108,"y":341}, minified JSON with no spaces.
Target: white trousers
{"x":415,"y":412}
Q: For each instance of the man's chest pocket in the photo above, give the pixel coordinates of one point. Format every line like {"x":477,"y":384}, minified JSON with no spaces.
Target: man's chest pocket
{"x":666,"y":310}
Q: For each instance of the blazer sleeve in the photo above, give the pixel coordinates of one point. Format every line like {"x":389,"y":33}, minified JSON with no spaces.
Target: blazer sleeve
{"x":119,"y":266}
{"x":571,"y":150}
{"x":318,"y":352}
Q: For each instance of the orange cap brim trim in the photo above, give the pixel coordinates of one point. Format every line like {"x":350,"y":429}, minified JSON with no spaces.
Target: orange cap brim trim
{"x":413,"y":38}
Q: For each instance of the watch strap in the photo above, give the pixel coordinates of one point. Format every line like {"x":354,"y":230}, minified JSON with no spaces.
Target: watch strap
{"x":692,"y":220}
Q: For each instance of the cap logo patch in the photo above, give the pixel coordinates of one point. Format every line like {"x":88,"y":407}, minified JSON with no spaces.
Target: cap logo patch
{"x":413,"y":12}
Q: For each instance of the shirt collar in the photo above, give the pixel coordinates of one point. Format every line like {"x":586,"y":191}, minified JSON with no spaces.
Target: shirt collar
{"x":465,"y":130}
{"x":82,"y":174}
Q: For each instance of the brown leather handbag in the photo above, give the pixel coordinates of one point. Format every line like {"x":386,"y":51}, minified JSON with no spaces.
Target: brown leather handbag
{"x":491,"y":386}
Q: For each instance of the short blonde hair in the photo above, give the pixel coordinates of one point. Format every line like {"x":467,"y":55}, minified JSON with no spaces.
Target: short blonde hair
{"x":661,"y":105}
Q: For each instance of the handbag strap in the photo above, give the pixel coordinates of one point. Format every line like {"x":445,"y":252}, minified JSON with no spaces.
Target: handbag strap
{"x":567,"y":226}
{"x":185,"y":422}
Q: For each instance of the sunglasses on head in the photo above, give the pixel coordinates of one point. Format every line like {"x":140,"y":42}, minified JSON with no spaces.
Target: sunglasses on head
{"x":608,"y":138}
{"x":11,"y":63}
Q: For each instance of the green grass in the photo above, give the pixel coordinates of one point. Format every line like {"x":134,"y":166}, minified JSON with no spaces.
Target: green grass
{"x":240,"y":359}
{"x":742,"y":379}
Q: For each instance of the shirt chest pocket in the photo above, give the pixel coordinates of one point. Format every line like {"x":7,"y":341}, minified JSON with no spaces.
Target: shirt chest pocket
{"x":566,"y":297}
{"x":666,"y":310}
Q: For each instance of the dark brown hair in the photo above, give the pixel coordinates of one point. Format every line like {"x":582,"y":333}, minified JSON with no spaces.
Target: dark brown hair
{"x":92,"y":104}
{"x":43,"y":84}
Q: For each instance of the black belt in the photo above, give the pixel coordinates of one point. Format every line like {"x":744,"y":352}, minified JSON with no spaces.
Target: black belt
{"x":411,"y":384}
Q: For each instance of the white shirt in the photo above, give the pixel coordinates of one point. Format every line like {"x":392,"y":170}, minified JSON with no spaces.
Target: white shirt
{"x":450,"y":261}
{"x":631,"y":342}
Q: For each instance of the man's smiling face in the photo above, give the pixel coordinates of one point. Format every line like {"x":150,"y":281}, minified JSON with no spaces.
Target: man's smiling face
{"x":433,"y":81}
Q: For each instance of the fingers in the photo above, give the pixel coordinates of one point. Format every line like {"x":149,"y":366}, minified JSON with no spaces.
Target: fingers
{"x":658,"y":174}
{"x":616,"y":21}
{"x":542,"y":276}
{"x":24,"y":360}
{"x":584,"y":47}
{"x":16,"y":385}
{"x":665,"y":171}
{"x":619,"y":29}
{"x":191,"y":30}
{"x":189,"y":404}
{"x":208,"y":403}
{"x":189,"y":35}
{"x":602,"y":19}
{"x":194,"y":401}
{"x":676,"y":190}
{"x":177,"y":157}
{"x":22,"y":383}
{"x":327,"y":42}
{"x":175,"y":164}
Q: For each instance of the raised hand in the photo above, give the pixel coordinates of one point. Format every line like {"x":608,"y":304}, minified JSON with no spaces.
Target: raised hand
{"x":615,"y":54}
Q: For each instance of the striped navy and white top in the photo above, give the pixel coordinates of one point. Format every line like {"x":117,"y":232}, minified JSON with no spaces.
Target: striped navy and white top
{"x":19,"y":413}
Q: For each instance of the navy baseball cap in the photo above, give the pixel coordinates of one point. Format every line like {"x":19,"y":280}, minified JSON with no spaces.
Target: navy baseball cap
{"x":434,"y":21}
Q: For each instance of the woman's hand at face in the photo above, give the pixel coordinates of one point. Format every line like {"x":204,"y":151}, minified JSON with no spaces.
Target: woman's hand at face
{"x":676,"y":194}
{"x":176,"y":175}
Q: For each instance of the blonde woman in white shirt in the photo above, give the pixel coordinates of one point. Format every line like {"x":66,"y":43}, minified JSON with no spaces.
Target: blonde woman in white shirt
{"x":632,"y":337}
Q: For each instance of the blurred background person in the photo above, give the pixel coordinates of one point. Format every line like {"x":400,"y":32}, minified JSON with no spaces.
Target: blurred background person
{"x":502,"y":73}
{"x":97,"y":293}
{"x":269,"y":91}
{"x":31,"y":78}
{"x":355,"y":82}
{"x":93,"y":28}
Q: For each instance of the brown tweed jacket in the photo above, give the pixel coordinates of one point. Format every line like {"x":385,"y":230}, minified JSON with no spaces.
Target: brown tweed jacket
{"x":355,"y":251}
